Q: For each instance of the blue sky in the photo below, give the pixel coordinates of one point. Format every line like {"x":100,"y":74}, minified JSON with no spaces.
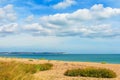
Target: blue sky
{"x":72,"y":26}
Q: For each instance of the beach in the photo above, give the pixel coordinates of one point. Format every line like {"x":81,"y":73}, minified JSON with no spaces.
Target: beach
{"x":59,"y":67}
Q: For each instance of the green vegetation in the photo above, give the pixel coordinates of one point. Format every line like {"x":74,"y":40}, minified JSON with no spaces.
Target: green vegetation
{"x":30,"y":60}
{"x":42,"y":59}
{"x":91,"y":72}
{"x":43,"y":67}
{"x":103,"y":62}
{"x":21,"y":71}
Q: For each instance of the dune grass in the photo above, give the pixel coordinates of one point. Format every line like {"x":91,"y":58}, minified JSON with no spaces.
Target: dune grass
{"x":21,"y":71}
{"x":91,"y":72}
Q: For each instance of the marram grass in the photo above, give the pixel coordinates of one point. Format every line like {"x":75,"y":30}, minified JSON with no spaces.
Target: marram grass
{"x":21,"y":71}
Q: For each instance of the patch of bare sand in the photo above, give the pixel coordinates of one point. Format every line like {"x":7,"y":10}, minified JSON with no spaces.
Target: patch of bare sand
{"x":57,"y":72}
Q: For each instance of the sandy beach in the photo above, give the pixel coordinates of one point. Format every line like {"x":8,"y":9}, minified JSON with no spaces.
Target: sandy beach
{"x":59,"y":67}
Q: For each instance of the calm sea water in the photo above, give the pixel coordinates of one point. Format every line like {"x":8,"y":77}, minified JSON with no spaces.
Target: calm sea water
{"x":109,"y":58}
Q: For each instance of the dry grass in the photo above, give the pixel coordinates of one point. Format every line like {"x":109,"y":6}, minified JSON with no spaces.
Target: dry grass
{"x":21,"y":71}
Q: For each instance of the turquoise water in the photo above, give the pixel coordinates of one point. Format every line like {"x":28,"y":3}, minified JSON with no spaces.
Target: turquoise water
{"x":109,"y":58}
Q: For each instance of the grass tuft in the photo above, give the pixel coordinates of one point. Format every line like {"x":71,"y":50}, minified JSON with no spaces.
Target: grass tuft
{"x":43,"y":67}
{"x":91,"y":72}
{"x":30,"y":60}
{"x":103,"y":62}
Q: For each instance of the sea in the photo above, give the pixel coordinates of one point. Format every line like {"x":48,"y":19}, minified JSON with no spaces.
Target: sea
{"x":107,"y":58}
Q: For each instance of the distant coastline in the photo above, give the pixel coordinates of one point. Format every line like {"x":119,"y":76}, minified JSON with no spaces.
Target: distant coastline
{"x":32,"y":52}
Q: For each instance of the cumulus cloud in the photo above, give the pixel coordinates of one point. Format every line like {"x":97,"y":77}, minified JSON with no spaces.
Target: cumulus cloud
{"x":7,"y":20}
{"x":76,"y":23}
{"x":64,"y":4}
{"x":94,"y":31}
{"x":8,"y":29}
{"x":36,"y":29}
{"x":81,"y":23}
{"x":7,"y":13}
{"x":96,"y":12}
{"x":29,"y":18}
{"x":104,"y":12}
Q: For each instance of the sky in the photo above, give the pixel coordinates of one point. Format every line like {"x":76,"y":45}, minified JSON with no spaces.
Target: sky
{"x":71,"y":26}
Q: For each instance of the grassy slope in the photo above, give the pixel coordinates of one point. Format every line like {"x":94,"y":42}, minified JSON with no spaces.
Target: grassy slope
{"x":20,"y":71}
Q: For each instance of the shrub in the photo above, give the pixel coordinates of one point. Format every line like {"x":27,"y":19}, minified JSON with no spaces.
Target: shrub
{"x":91,"y":72}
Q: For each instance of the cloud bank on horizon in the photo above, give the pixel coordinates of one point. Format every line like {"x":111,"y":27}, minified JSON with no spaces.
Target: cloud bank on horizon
{"x":60,"y":18}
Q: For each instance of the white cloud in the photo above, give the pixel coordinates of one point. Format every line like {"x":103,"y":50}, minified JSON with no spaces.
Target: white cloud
{"x":7,"y":20}
{"x":33,"y":27}
{"x":11,"y":16}
{"x":96,"y":12}
{"x":102,"y":12}
{"x":30,"y":18}
{"x":83,"y":22}
{"x":64,"y":4}
{"x":8,"y":29}
{"x":8,"y":8}
{"x":7,"y":13}
{"x":36,"y":29}
{"x":2,"y":13}
{"x":89,"y":23}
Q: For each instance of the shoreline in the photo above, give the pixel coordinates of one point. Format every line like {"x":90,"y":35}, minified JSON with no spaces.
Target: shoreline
{"x":46,"y":60}
{"x":61,"y":66}
{"x":102,"y":62}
